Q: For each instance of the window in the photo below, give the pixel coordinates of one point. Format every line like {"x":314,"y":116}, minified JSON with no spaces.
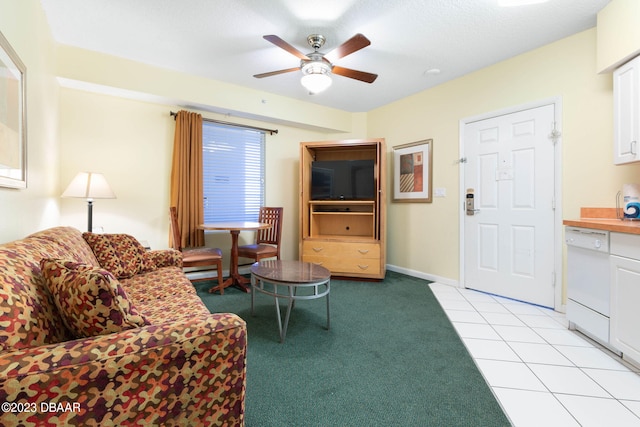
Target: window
{"x":233,"y":172}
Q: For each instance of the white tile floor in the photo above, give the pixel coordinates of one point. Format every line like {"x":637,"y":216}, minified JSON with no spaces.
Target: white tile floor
{"x":542,"y":373}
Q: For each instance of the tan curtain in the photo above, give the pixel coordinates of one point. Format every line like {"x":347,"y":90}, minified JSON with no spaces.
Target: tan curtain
{"x":186,"y":177}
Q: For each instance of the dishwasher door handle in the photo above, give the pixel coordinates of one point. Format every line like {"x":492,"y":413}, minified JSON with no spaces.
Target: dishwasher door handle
{"x":587,"y":233}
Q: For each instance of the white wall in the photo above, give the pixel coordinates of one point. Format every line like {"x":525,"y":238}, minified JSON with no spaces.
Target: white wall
{"x":24,"y":211}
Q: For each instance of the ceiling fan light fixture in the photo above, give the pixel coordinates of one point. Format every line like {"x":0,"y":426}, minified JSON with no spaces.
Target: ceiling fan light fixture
{"x":316,"y":76}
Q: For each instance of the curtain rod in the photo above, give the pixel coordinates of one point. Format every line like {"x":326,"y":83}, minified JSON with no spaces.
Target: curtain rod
{"x":271,"y":131}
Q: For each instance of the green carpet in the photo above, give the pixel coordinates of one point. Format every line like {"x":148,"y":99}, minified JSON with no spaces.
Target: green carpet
{"x":391,"y":358}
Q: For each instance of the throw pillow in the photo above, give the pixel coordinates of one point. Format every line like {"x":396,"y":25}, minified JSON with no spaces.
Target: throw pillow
{"x":120,"y":254}
{"x":90,"y":300}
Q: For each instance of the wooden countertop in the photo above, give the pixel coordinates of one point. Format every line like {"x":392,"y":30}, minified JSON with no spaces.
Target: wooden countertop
{"x":603,"y":219}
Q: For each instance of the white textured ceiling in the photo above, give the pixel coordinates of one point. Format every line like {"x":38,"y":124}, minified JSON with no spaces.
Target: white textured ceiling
{"x":222,"y":39}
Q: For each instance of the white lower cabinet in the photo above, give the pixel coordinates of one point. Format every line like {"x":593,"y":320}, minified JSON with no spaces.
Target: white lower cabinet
{"x":625,"y":295}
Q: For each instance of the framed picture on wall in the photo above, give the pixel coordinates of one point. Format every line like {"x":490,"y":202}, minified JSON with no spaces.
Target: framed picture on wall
{"x":13,"y":138}
{"x":412,"y":172}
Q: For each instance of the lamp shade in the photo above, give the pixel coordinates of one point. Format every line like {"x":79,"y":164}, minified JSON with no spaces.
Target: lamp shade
{"x":89,"y":185}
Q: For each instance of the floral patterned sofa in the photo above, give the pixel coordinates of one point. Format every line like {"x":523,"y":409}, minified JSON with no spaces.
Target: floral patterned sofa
{"x":96,"y":331}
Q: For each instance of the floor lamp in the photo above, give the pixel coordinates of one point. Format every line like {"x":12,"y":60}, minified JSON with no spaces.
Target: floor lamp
{"x":89,"y":185}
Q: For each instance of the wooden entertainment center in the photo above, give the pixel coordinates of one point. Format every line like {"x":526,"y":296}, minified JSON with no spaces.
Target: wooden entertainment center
{"x":345,"y":235}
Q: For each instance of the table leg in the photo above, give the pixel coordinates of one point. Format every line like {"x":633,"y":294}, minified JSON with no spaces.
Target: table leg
{"x":259,"y":282}
{"x":283,"y":332}
{"x":254,"y":284}
{"x":328,"y":311}
{"x":235,"y":279}
{"x":275,"y":297}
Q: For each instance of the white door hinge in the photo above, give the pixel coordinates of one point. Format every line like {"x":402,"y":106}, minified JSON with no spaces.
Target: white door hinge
{"x":553,"y":279}
{"x":553,"y":204}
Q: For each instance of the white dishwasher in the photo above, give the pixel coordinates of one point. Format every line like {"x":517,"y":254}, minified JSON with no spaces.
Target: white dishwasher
{"x":588,"y":282}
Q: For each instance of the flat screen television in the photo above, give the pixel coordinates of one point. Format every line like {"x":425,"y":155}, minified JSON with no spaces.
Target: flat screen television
{"x":342,"y":180}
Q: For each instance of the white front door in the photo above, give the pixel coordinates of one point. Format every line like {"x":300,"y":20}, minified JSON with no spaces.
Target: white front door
{"x":508,"y":240}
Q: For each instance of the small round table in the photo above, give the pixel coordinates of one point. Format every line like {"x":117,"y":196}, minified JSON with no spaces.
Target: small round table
{"x":235,"y":279}
{"x":293,"y":275}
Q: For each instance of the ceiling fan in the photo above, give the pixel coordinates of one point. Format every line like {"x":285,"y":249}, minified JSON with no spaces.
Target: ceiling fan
{"x":316,"y":66}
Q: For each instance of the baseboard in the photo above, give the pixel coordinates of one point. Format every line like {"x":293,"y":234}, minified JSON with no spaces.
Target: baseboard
{"x":196,"y":275}
{"x":246,"y":269}
{"x":425,"y":276}
{"x":242,"y":269}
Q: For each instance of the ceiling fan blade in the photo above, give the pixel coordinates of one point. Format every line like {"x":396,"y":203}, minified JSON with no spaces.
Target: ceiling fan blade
{"x":354,"y":74}
{"x":286,"y":46}
{"x":354,"y":44}
{"x":275,"y":73}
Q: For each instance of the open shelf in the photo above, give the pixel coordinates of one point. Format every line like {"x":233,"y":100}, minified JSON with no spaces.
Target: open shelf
{"x":342,"y":206}
{"x":347,"y":218}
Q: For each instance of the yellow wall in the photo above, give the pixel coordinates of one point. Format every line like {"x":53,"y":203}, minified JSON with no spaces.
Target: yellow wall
{"x":72,"y":130}
{"x":425,"y":237}
{"x":24,"y":211}
{"x":131,"y":143}
{"x":618,"y":34}
{"x":78,"y":65}
{"x":130,"y":140}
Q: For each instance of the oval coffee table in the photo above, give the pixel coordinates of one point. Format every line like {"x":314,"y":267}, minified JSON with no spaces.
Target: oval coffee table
{"x":292,"y":275}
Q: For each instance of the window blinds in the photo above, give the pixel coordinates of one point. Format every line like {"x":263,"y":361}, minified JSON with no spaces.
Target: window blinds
{"x":233,"y":172}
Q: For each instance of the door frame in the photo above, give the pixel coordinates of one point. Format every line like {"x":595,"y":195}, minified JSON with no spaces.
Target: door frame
{"x":557,"y":220}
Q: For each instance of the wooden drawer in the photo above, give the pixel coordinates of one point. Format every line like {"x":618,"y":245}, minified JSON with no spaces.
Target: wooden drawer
{"x":346,"y":266}
{"x":344,"y":258}
{"x":355,"y":250}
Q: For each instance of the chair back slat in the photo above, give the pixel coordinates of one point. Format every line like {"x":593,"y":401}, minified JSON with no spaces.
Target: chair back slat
{"x":270,"y":236}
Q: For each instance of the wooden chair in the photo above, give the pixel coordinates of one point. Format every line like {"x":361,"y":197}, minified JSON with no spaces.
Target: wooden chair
{"x":198,"y":256}
{"x":267,"y":243}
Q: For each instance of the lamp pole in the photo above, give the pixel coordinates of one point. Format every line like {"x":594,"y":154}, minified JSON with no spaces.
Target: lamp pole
{"x":90,"y":215}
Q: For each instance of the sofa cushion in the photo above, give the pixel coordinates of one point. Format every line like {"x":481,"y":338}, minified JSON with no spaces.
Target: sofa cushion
{"x":28,"y":315}
{"x":173,"y":308}
{"x":90,"y":300}
{"x":121,"y":254}
{"x":70,"y":239}
{"x":164,"y":295}
{"x":166,"y":282}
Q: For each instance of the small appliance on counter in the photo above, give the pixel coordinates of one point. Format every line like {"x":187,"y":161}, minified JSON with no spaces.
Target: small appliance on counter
{"x":630,"y":209}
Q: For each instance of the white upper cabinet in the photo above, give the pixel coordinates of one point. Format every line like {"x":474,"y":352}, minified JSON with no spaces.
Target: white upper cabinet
{"x":626,"y":112}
